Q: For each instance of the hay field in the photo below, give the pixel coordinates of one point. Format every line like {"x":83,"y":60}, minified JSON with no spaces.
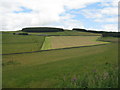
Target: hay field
{"x":74,"y":41}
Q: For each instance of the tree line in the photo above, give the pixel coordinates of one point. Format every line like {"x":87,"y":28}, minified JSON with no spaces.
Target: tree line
{"x":104,"y":33}
{"x":42,"y":29}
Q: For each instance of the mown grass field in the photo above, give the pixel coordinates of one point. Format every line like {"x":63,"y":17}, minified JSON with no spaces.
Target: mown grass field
{"x":47,"y":43}
{"x":91,"y":67}
{"x":74,"y":41}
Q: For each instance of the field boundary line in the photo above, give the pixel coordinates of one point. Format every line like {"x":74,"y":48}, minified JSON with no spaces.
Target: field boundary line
{"x":55,"y":49}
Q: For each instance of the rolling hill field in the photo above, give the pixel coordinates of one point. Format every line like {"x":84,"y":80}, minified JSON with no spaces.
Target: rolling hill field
{"x":81,"y":67}
{"x":28,"y":43}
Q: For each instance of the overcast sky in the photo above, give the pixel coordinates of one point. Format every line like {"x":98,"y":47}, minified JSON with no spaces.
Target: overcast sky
{"x":68,"y":14}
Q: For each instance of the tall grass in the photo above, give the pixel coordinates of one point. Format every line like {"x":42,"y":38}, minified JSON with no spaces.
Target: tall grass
{"x":108,"y":78}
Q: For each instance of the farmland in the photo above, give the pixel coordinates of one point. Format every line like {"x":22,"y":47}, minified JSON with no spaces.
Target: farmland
{"x":56,"y":68}
{"x":74,"y":41}
{"x":17,"y":43}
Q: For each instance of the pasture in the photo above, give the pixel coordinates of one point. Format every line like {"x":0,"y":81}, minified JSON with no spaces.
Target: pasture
{"x":47,"y":69}
{"x":20,"y":43}
{"x":91,"y":67}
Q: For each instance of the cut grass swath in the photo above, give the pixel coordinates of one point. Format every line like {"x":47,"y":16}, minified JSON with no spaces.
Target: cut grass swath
{"x":46,"y":44}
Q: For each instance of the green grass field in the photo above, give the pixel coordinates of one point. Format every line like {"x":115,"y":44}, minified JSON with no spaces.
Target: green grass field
{"x":91,"y":67}
{"x":21,"y":43}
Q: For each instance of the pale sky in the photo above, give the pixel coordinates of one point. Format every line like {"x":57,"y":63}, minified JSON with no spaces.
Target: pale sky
{"x":68,"y":14}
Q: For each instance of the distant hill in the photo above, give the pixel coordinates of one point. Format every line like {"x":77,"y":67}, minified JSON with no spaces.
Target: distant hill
{"x":104,"y":33}
{"x":42,"y":29}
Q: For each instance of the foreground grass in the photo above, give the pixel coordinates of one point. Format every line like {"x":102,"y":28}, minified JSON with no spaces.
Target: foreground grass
{"x":48,"y":69}
{"x":93,"y":79}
